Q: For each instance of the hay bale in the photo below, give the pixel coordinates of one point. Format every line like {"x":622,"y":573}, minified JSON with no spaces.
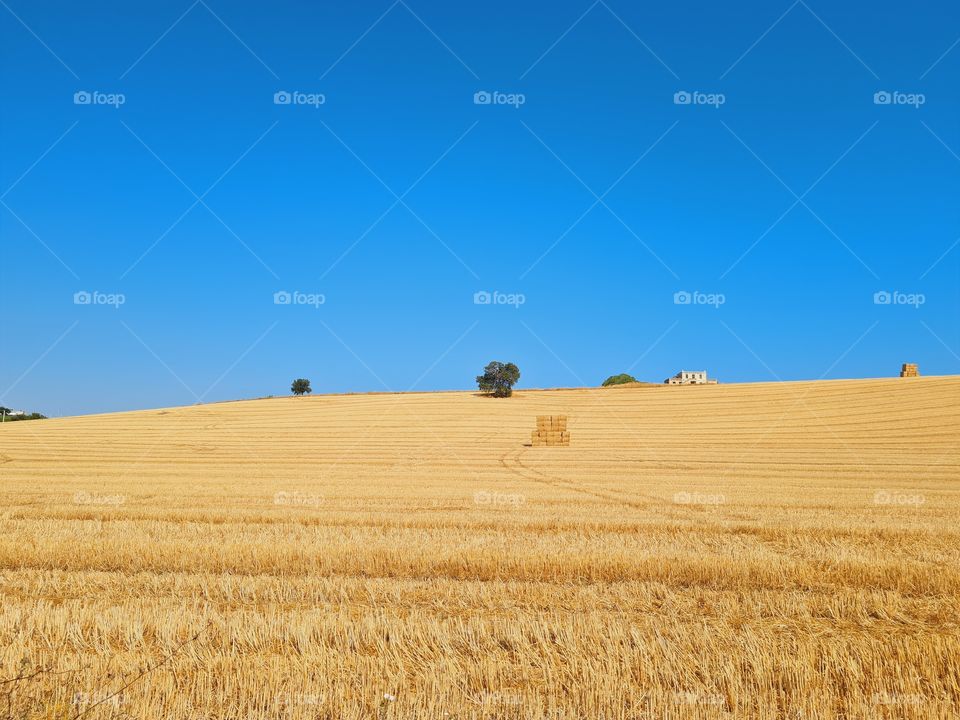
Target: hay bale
{"x":551,"y":431}
{"x":910,"y":370}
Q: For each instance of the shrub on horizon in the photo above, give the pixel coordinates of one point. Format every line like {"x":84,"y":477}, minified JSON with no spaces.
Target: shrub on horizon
{"x":619,"y":380}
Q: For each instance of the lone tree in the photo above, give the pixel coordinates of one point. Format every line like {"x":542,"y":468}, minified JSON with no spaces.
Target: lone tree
{"x":498,"y":379}
{"x":300,"y":386}
{"x":619,"y":379}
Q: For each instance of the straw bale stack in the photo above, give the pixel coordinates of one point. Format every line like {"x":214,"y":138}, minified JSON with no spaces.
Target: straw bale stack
{"x":551,"y":431}
{"x":910,"y":370}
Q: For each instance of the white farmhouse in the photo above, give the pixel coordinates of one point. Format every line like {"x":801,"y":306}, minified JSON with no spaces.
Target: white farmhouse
{"x":690,"y":377}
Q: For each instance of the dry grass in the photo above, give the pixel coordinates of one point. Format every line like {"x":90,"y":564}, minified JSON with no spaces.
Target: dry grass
{"x":701,"y":552}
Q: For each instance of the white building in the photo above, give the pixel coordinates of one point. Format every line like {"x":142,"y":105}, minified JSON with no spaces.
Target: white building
{"x":690,"y":377}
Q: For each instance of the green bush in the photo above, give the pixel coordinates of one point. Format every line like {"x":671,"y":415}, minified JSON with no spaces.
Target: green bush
{"x":14,"y":418}
{"x":619,"y":379}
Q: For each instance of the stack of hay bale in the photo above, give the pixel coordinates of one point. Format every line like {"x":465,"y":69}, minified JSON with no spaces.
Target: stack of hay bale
{"x":551,"y":431}
{"x":910,"y":370}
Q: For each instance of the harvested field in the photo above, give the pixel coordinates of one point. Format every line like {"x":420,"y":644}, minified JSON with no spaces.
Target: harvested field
{"x":771,"y":550}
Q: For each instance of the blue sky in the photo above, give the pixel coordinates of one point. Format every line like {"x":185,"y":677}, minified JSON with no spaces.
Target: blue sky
{"x":781,"y":198}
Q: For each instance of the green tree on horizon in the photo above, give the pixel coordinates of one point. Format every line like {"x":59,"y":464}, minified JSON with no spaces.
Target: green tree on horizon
{"x":498,"y":379}
{"x":300,"y":386}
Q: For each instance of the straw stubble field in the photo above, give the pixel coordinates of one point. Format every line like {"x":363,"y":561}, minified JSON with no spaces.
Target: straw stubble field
{"x":751,"y":551}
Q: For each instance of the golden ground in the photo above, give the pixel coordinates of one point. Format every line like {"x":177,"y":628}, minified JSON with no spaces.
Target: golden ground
{"x":774,"y":550}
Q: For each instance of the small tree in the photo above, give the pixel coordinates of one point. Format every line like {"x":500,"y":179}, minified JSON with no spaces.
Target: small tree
{"x":300,"y":386}
{"x":498,"y":379}
{"x":619,"y":379}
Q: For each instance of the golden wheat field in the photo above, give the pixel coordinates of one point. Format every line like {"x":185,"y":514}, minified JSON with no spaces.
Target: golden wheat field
{"x":770,"y":550}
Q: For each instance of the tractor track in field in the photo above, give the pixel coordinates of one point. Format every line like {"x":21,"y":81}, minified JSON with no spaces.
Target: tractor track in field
{"x":511,"y":461}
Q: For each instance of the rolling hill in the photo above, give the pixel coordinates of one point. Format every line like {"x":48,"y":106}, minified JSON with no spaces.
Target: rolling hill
{"x":756,"y":550}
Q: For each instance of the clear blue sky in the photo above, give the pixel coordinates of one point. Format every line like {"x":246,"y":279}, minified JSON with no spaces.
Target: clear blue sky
{"x":796,"y":199}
